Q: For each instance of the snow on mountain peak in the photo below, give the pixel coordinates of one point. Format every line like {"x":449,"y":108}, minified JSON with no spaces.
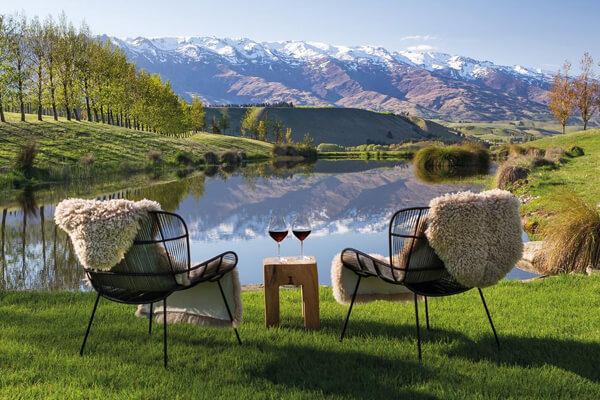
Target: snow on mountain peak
{"x":240,"y":51}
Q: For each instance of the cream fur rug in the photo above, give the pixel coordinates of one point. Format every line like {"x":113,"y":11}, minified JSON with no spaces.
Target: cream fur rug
{"x":476,"y":235}
{"x":102,"y":231}
{"x":533,"y":258}
{"x":343,"y":281}
{"x":202,"y":304}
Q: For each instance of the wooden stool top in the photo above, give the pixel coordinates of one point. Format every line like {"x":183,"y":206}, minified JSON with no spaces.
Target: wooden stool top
{"x":309,"y":260}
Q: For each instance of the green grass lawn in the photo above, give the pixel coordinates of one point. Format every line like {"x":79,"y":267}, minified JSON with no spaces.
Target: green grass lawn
{"x":65,"y":142}
{"x":580,"y":175}
{"x":549,"y":332}
{"x":505,"y":131}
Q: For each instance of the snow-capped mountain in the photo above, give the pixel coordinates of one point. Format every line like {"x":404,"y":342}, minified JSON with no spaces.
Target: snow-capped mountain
{"x":429,"y":84}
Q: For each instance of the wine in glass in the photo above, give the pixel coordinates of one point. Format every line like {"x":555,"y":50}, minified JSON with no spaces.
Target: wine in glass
{"x":278,"y":230}
{"x":301,"y":229}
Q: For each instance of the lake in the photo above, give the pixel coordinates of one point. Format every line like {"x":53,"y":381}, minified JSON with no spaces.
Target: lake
{"x":349,"y":204}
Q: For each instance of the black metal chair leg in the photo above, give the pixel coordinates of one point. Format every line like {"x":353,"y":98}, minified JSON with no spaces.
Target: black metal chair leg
{"x":426,"y":313}
{"x":87,"y":332}
{"x":418,"y":331}
{"x":165,"y":331}
{"x":350,"y":309}
{"x":489,"y":317}
{"x":150,"y":316}
{"x":237,"y":335}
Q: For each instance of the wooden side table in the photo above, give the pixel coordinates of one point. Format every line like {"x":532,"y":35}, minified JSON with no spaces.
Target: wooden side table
{"x":292,"y":271}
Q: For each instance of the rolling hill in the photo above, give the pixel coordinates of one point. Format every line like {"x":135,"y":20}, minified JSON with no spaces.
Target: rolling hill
{"x":344,"y":126}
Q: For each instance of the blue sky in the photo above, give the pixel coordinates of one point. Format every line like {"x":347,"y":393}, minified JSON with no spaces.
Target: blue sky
{"x":530,"y":33}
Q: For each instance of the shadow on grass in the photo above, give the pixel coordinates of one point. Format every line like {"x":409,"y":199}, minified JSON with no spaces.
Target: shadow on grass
{"x":351,"y":374}
{"x":580,"y":358}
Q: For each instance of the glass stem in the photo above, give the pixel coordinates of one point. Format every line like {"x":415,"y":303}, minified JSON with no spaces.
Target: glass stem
{"x":279,"y":251}
{"x":302,"y":249}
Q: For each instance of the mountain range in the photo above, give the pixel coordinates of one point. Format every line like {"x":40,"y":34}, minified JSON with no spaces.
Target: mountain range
{"x":425,"y":84}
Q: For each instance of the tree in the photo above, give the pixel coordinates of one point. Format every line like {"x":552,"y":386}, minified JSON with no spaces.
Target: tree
{"x":288,"y":136}
{"x":308,"y":141}
{"x":214,"y":125}
{"x":18,"y":49}
{"x":278,"y":130}
{"x":5,"y":65}
{"x":66,"y":61}
{"x":224,"y":123}
{"x":50,"y":55}
{"x":562,"y":96}
{"x":586,"y":90}
{"x":262,"y":130}
{"x":250,"y":122}
{"x":37,"y":45}
{"x":197,"y":114}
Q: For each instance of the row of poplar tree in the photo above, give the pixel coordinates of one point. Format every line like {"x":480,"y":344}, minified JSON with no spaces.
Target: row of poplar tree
{"x":580,"y":94}
{"x":58,"y":70}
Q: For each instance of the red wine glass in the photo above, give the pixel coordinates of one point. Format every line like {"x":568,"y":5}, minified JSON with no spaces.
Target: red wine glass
{"x":278,"y":230}
{"x":301,"y":229}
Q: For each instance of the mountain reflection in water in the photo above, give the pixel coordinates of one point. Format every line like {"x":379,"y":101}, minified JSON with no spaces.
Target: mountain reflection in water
{"x":349,"y":203}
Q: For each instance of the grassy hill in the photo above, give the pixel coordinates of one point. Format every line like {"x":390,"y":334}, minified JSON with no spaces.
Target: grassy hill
{"x":344,"y":126}
{"x":507,"y":131}
{"x":66,"y":143}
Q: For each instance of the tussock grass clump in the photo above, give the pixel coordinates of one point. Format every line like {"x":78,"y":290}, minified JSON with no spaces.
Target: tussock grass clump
{"x":154,"y":156}
{"x":556,"y":155}
{"x":572,"y":235}
{"x":211,"y":158}
{"x":509,"y":174}
{"x":576,"y":151}
{"x":88,"y":159}
{"x":25,"y":158}
{"x":444,"y":159}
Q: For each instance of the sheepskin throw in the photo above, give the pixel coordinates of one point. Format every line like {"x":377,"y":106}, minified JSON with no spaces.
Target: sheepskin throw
{"x":533,"y":258}
{"x":202,"y":304}
{"x":102,"y":231}
{"x":370,"y":289}
{"x":476,"y":235}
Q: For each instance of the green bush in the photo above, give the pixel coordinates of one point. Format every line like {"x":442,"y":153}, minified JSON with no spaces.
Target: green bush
{"x":576,"y":151}
{"x":231,"y":158}
{"x":211,"y":158}
{"x":330,"y":147}
{"x":445,"y":158}
{"x":185,"y":158}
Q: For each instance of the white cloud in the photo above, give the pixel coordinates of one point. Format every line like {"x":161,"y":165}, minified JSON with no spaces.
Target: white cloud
{"x":421,"y":47}
{"x":424,"y":38}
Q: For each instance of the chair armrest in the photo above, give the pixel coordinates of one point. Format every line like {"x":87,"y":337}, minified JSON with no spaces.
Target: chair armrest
{"x":366,"y":265}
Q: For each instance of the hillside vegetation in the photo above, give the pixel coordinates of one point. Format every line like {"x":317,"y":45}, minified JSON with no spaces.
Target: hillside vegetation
{"x":69,"y":142}
{"x":343,"y":126}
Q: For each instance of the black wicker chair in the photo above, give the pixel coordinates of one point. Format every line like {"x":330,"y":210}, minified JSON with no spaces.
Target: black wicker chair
{"x":412,"y":263}
{"x":157,"y":265}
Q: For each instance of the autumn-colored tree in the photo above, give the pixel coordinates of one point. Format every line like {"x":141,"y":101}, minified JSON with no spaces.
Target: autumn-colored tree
{"x":562,"y":96}
{"x":586,"y":90}
{"x":250,"y":122}
{"x":288,"y":136}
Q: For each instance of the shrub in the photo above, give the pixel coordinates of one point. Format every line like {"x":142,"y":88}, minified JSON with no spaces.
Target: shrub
{"x":26,"y":157}
{"x":446,"y":158}
{"x":154,"y":156}
{"x":576,"y":151}
{"x":330,"y":147}
{"x":509,"y":174}
{"x":88,"y":159}
{"x":211,"y":158}
{"x":185,"y":158}
{"x":572,"y":235}
{"x":231,"y":158}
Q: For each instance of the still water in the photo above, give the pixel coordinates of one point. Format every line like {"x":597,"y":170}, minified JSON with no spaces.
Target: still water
{"x":349,"y":204}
